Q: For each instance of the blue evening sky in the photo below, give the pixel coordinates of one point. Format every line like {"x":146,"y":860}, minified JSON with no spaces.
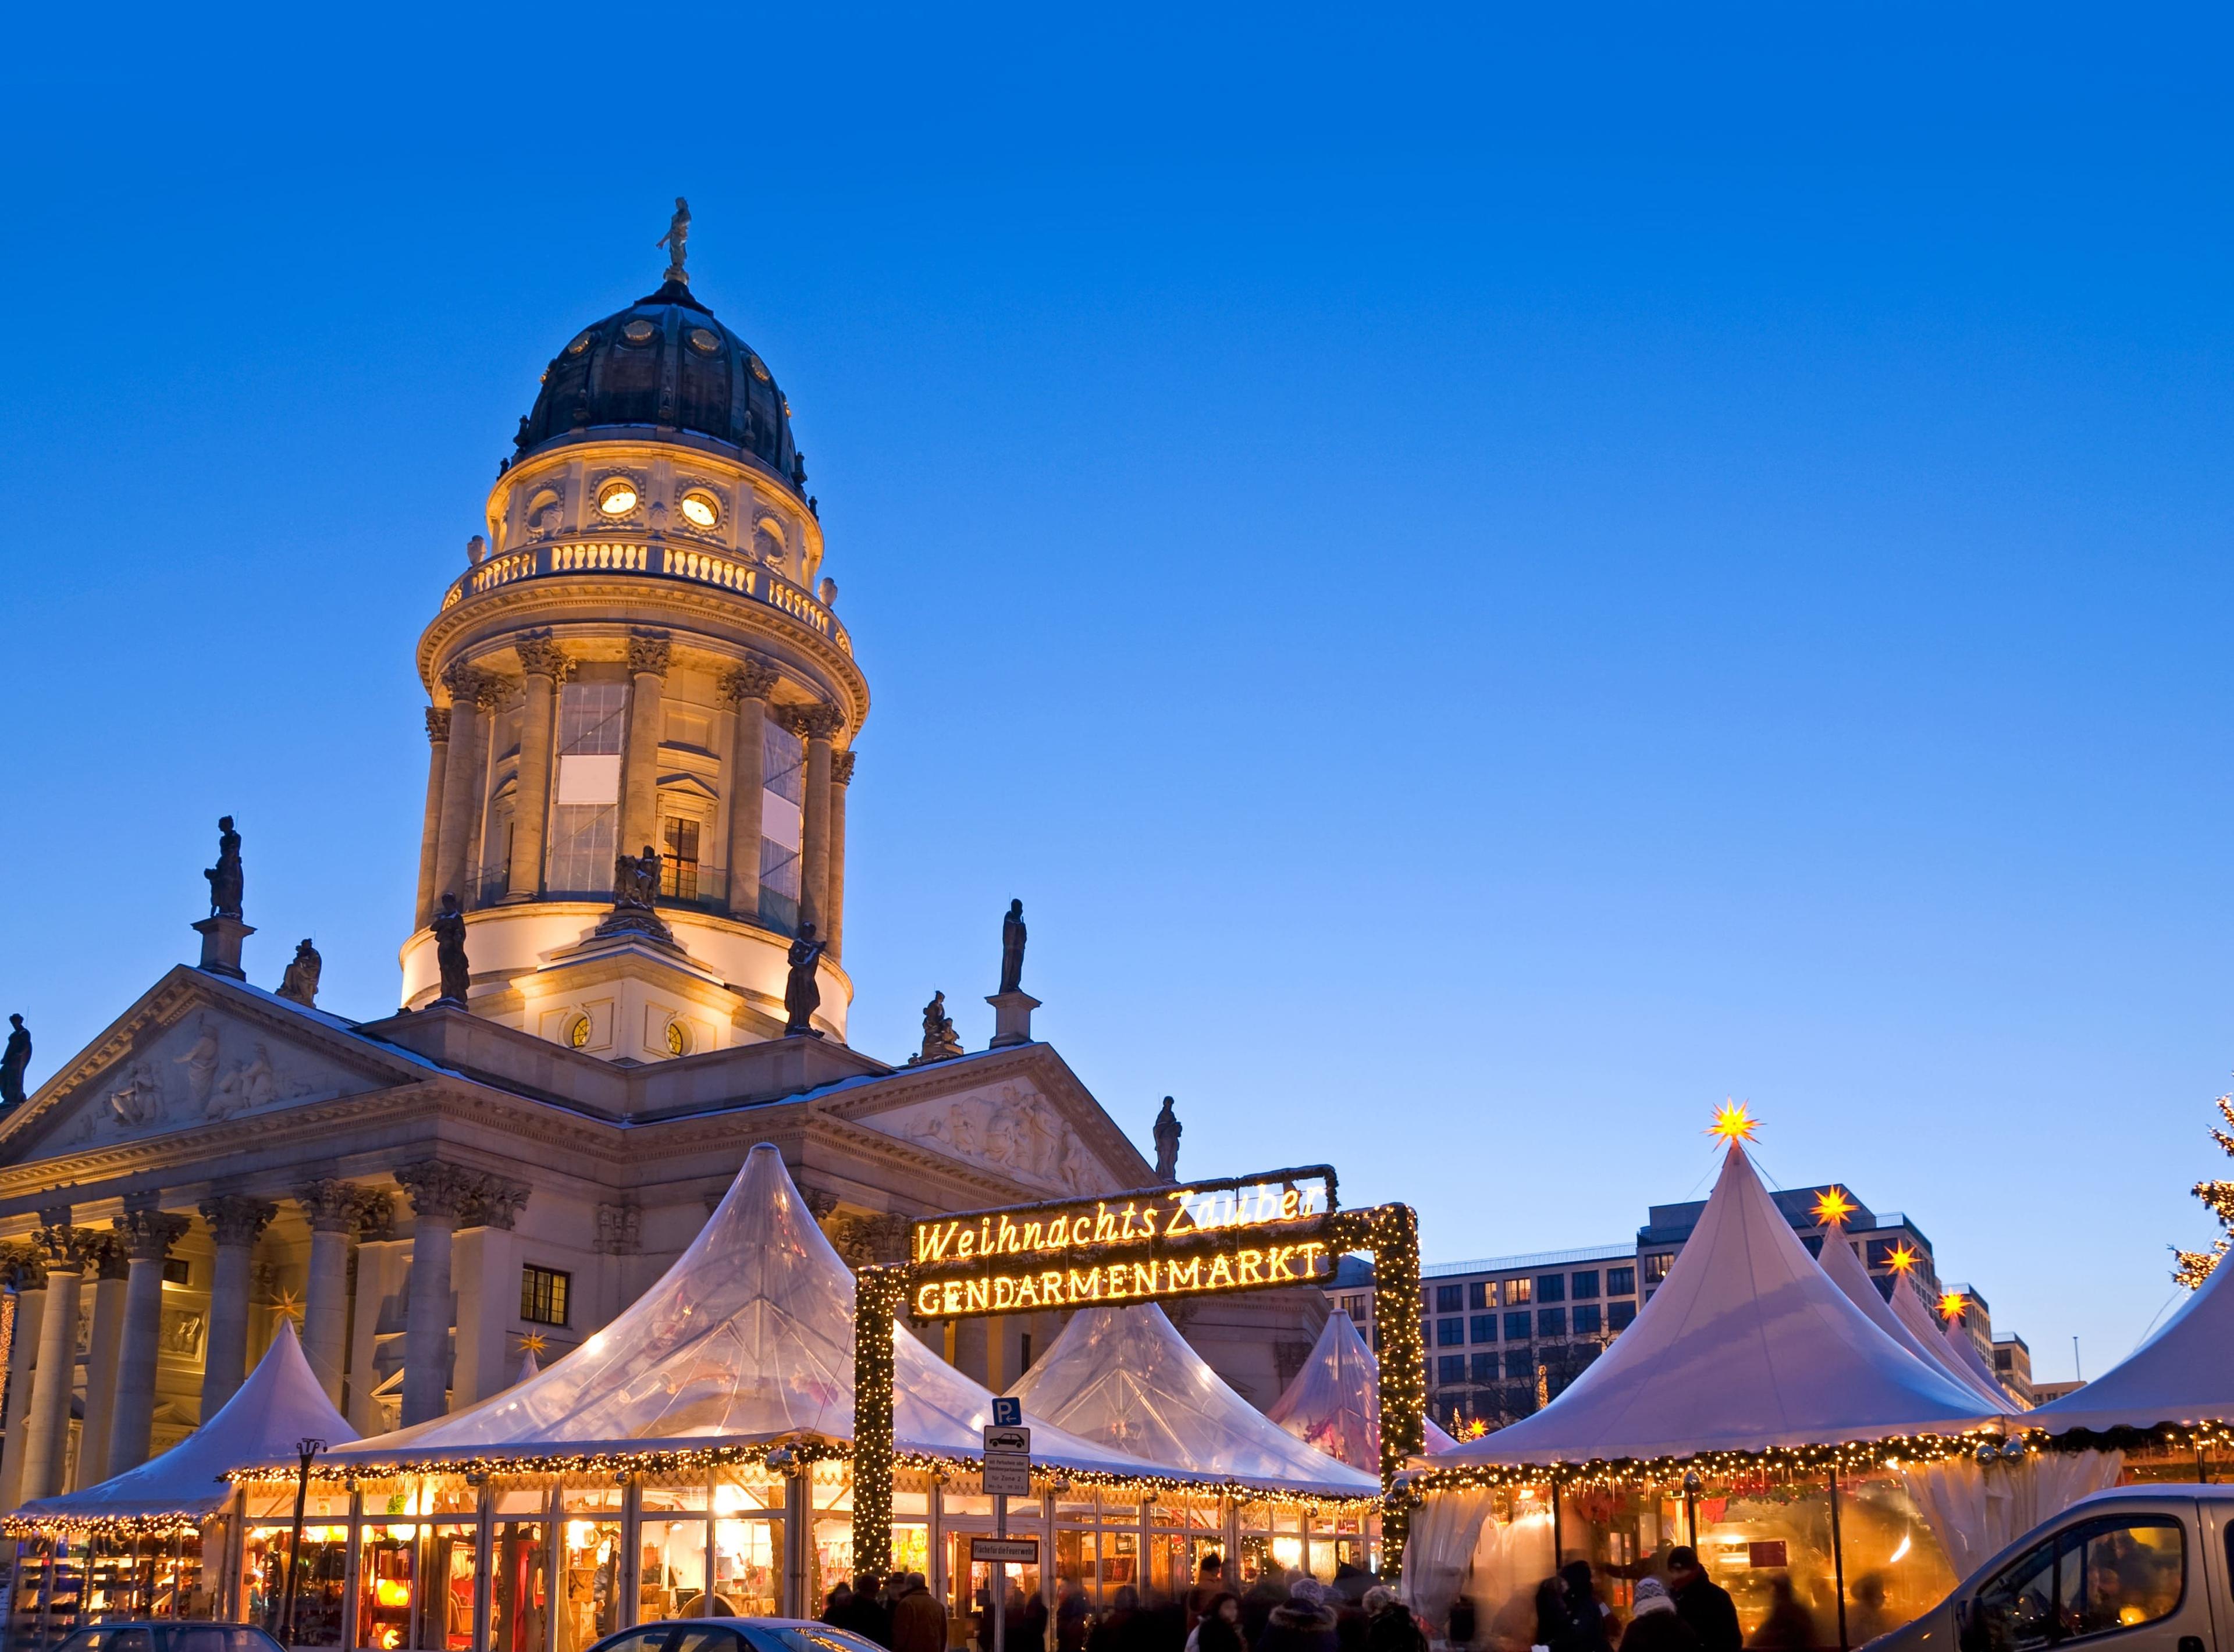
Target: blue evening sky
{"x":1491,"y":578}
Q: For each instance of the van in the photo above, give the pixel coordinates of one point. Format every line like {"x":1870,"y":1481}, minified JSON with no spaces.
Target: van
{"x":2136,"y":1569}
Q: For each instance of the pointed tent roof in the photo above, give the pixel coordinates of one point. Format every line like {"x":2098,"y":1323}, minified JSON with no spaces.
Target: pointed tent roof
{"x":1910,"y":1309}
{"x":1747,"y":1345}
{"x":1847,"y":1273}
{"x":1333,"y":1404}
{"x":1972,"y":1364}
{"x":279,"y":1404}
{"x":1126,"y":1378}
{"x":528,"y":1367}
{"x":749,"y":1338}
{"x":2184,"y":1373}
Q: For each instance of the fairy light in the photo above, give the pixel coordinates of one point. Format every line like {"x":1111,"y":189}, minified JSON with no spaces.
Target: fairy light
{"x":1734,"y":1123}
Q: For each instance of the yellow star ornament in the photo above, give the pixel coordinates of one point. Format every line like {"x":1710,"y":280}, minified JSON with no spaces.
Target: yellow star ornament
{"x":1833,"y":1209}
{"x":1903,"y":1258}
{"x":1733,"y":1122}
{"x":1950,"y":1305}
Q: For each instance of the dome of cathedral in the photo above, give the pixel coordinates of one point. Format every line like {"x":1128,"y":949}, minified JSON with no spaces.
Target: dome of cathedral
{"x":664,"y":364}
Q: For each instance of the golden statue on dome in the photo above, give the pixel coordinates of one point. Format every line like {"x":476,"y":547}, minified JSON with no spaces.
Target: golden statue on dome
{"x":675,"y":241}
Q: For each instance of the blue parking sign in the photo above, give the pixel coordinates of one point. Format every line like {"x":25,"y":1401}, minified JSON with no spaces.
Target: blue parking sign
{"x":1007,"y":1413}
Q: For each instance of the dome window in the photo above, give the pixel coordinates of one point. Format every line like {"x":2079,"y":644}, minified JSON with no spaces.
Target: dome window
{"x":678,"y":1038}
{"x":616,"y":497}
{"x":640,"y":332}
{"x":580,"y":343}
{"x":760,"y":370}
{"x":577,"y":1033}
{"x":704,"y":342}
{"x":701,"y":509}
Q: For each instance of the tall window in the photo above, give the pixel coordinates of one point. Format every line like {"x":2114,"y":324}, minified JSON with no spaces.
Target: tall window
{"x":585,"y":820}
{"x":543,"y":1294}
{"x":1449,"y":1298}
{"x":678,"y":862}
{"x":1518,"y":1291}
{"x":1655,"y":1266}
{"x":783,"y":803}
{"x":1621,"y":1281}
{"x":1552,"y":1288}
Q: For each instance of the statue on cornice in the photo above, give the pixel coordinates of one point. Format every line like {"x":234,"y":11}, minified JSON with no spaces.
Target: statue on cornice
{"x":13,"y":1063}
{"x":939,"y":1041}
{"x":450,"y":927}
{"x":676,"y":240}
{"x":1167,"y":1143}
{"x":225,"y":880}
{"x":1012,"y":949}
{"x":300,"y":984}
{"x":801,"y":995}
{"x":636,"y":879}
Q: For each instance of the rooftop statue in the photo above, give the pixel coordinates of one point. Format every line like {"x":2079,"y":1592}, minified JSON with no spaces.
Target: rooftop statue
{"x":1167,"y":1143}
{"x":679,"y":234}
{"x":13,"y":1062}
{"x":636,"y":879}
{"x":300,"y":984}
{"x":938,"y":1037}
{"x":802,"y":997}
{"x":224,"y":877}
{"x":1012,"y":948}
{"x":450,"y":927}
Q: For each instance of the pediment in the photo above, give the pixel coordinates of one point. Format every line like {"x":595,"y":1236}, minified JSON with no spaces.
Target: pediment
{"x":1008,"y":1126}
{"x":193,"y":1053}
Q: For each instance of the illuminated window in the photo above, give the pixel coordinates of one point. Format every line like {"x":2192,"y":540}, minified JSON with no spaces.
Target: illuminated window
{"x":543,"y":1294}
{"x":1656,"y":1267}
{"x":639,"y":332}
{"x":678,"y":1039}
{"x":578,"y":1032}
{"x":1621,"y":1281}
{"x":678,"y":862}
{"x":616,"y":497}
{"x":701,"y":508}
{"x":1518,"y":1292}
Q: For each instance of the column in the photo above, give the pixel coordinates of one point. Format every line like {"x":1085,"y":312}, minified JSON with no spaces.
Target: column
{"x":454,"y":854}
{"x":543,"y":667}
{"x":149,"y":1237}
{"x":47,"y":1443}
{"x":30,"y":1279}
{"x":818,"y":723}
{"x":430,"y":826}
{"x":103,"y":1350}
{"x":749,"y":686}
{"x":383,"y":1269}
{"x":438,"y":1191}
{"x":331,"y":1208}
{"x":485,"y":1269}
{"x":648,"y":656}
{"x":841,"y":778}
{"x":236,"y":1222}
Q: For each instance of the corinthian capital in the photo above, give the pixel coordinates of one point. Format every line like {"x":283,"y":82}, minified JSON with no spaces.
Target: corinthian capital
{"x":841,"y":768}
{"x":108,"y":1256}
{"x":493,"y":1202}
{"x":149,"y":1235}
{"x":648,"y":653}
{"x":810,"y":720}
{"x":436,"y":1189}
{"x":332,"y":1206}
{"x":751,"y":681}
{"x":540,"y":656}
{"x":66,"y":1249}
{"x":438,"y":724}
{"x":236,"y":1218}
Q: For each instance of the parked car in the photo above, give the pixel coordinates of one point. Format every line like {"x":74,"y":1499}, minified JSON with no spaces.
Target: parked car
{"x":2138,"y":1569}
{"x":162,"y":1635}
{"x":736,"y":1635}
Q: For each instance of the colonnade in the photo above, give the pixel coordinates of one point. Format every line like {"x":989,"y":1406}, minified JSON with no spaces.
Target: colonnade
{"x":122,"y":1267}
{"x":460,"y":777}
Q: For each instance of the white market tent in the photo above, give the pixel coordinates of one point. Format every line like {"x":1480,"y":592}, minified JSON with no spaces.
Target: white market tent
{"x":1125,"y":1378}
{"x":2183,"y":1374}
{"x":1846,"y":1272}
{"x":1746,"y":1346}
{"x":1971,"y":1363}
{"x":747,"y":1338}
{"x":279,"y":1404}
{"x":1333,"y":1404}
{"x":1910,"y":1307}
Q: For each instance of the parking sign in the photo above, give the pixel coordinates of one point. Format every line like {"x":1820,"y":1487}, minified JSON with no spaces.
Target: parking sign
{"x":1007,"y":1413}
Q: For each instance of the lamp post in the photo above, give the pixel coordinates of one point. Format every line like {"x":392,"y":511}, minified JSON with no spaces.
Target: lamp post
{"x":306,"y":1449}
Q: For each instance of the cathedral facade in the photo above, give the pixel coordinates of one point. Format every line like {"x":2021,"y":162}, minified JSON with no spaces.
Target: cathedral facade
{"x":626,"y":967}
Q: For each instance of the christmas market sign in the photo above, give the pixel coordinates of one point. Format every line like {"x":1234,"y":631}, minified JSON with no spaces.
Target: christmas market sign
{"x":1277,"y":1229}
{"x":1245,"y":1233}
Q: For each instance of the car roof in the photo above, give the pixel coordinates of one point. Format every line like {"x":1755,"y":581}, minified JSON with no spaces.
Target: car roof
{"x":2189,"y":1489}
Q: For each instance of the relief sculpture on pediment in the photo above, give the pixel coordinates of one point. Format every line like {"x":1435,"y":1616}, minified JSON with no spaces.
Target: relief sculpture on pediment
{"x":204,"y":1070}
{"x":1012,"y":1129}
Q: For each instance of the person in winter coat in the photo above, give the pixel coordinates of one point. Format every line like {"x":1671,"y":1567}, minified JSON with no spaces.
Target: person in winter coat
{"x":1116,"y":1630}
{"x":1586,"y":1616}
{"x":919,"y":1622}
{"x":1789,"y":1626}
{"x":1389,"y":1626}
{"x":1270,"y":1590}
{"x":1704,"y":1605}
{"x":866,"y":1615}
{"x":1209,"y":1584}
{"x":1074,"y":1616}
{"x":1654,"y":1625}
{"x":1218,"y":1627}
{"x":1302,"y":1623}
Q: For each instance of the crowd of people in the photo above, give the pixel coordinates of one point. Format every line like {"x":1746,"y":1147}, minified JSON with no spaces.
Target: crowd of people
{"x":1279,"y":1611}
{"x":1676,"y":1608}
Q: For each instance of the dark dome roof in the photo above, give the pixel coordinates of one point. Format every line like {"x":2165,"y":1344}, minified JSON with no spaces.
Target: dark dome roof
{"x":665,"y":364}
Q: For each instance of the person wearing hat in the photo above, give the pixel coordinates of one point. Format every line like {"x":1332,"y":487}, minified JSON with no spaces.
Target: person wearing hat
{"x":1702,"y":1603}
{"x":1654,"y":1624}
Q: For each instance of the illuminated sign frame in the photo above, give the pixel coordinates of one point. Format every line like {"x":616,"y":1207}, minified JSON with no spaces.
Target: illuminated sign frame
{"x":1273,"y":1230}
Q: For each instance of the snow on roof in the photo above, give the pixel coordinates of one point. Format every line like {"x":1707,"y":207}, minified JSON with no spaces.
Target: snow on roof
{"x":747,"y":1338}
{"x":1126,"y":1378}
{"x":2184,"y":1373}
{"x":1746,"y":1345}
{"x":279,"y":1404}
{"x":1333,"y":1404}
{"x":1925,"y":1343}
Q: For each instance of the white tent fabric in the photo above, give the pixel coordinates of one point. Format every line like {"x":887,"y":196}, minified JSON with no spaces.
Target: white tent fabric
{"x":2184,"y":1373}
{"x":279,"y":1404}
{"x":1910,"y":1309}
{"x":1745,"y":1346}
{"x":1123,"y":1377}
{"x":1977,"y":1512}
{"x":749,"y":1338}
{"x":1847,"y":1273}
{"x":528,"y":1367}
{"x":1973,"y":1364}
{"x":1333,"y":1404}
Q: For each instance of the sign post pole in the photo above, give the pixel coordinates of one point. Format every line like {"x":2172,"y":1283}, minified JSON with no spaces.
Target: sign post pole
{"x":1001,"y":1576}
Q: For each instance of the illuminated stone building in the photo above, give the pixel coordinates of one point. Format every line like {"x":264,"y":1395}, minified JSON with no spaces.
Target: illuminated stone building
{"x":641,"y":651}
